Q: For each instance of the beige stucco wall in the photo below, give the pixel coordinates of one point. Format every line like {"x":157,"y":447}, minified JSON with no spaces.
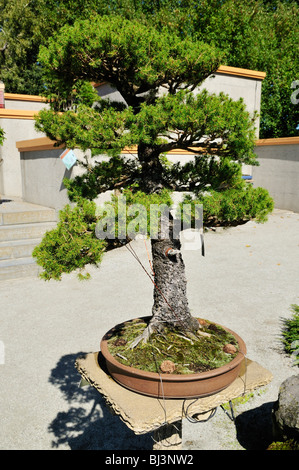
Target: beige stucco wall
{"x":18,"y":124}
{"x":278,"y":171}
{"x":42,"y":176}
{"x":249,"y":89}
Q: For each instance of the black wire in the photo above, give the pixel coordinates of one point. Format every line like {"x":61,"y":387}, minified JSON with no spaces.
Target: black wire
{"x":192,"y":418}
{"x":133,"y":252}
{"x":185,"y":413}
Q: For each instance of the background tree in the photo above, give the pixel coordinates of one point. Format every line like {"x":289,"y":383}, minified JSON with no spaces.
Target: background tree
{"x":24,"y":26}
{"x":19,"y":47}
{"x":156,"y":72}
{"x":258,"y":35}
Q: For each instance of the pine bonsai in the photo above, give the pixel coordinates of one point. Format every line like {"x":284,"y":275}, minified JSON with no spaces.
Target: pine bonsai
{"x":157,"y":74}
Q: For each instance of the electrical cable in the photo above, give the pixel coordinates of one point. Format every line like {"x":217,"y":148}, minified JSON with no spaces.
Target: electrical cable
{"x":192,"y":419}
{"x":133,"y":252}
{"x":185,"y":412}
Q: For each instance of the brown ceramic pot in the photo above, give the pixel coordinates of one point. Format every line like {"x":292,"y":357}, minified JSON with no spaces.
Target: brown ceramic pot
{"x":174,"y":385}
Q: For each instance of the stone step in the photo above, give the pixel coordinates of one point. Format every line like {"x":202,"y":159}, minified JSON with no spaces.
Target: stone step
{"x":17,"y":248}
{"x":12,"y":218}
{"x":22,"y":226}
{"x":13,"y":212}
{"x":18,"y":268}
{"x":25,"y":231}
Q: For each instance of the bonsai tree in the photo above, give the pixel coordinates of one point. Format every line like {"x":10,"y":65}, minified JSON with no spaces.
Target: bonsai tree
{"x":157,"y":74}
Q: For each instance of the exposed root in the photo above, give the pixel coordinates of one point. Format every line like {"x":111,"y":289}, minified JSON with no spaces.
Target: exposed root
{"x":145,"y":335}
{"x":203,"y":333}
{"x":185,"y":337}
{"x":156,"y":326}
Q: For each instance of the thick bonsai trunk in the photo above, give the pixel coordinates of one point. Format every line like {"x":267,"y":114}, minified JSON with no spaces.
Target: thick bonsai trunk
{"x":170,"y":306}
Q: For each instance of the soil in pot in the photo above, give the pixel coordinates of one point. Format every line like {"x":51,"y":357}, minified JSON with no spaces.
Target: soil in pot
{"x":173,"y":352}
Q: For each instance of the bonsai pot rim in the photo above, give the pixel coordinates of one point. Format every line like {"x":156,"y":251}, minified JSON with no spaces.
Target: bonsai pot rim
{"x":196,"y":384}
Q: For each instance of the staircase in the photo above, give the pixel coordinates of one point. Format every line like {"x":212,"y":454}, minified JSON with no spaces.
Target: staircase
{"x":22,"y":226}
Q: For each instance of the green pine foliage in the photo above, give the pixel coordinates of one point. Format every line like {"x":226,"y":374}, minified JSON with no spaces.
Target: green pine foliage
{"x":103,"y":176}
{"x":233,"y":206}
{"x":208,"y":173}
{"x":140,"y":216}
{"x":72,"y":244}
{"x":225,"y":197}
{"x":130,"y":213}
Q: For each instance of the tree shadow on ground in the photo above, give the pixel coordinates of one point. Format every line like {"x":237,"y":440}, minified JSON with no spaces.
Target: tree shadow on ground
{"x":2,"y":201}
{"x":254,"y":427}
{"x":88,"y":423}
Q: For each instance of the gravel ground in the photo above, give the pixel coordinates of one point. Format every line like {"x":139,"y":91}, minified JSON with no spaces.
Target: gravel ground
{"x":247,"y":281}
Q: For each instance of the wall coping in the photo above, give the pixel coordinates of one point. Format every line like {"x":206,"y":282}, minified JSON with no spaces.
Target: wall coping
{"x":40,"y":143}
{"x":17,"y":114}
{"x":241,"y":72}
{"x":227,"y":70}
{"x":19,"y":97}
{"x":133,"y":150}
{"x":278,"y":141}
{"x":44,"y":143}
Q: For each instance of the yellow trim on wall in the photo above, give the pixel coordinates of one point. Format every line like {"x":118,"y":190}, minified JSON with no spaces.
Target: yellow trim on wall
{"x":17,"y":114}
{"x":18,"y":97}
{"x":278,"y":141}
{"x":241,"y":72}
{"x":227,"y":70}
{"x":44,"y":143}
{"x":133,"y":150}
{"x":41,"y":143}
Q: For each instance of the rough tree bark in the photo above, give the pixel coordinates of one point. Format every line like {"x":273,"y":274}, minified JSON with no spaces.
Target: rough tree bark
{"x":170,"y":307}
